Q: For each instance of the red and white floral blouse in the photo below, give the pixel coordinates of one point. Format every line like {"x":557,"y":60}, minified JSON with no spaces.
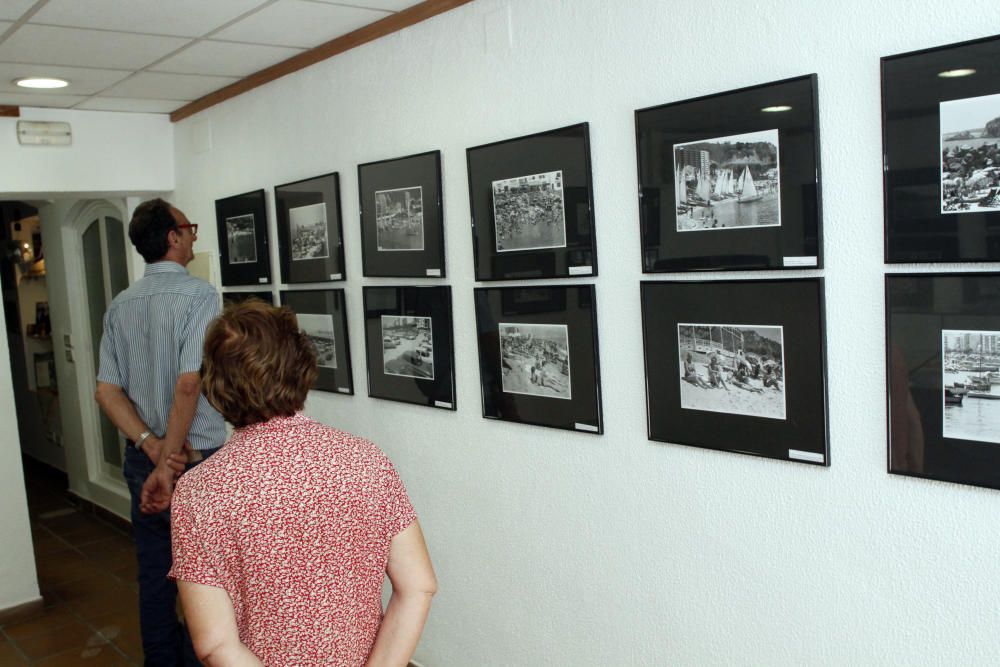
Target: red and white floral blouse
{"x":293,"y":519}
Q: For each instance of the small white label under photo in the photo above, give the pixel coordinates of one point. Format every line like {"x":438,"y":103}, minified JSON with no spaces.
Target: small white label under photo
{"x":801,"y":261}
{"x":581,"y":270}
{"x":344,"y":390}
{"x":434,"y":273}
{"x":334,"y":276}
{"x":799,"y":455}
{"x":442,"y":404}
{"x":585,"y":427}
{"x":262,"y":281}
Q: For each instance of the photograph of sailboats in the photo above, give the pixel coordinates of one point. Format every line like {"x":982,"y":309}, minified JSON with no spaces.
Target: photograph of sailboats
{"x":728,"y":182}
{"x":970,"y":155}
{"x":970,"y":370}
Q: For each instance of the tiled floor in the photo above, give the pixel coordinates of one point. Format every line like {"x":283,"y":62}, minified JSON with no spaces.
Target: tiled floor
{"x":86,"y":572}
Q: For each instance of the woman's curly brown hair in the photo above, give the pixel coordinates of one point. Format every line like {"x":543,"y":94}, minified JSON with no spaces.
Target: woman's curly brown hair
{"x":257,"y":364}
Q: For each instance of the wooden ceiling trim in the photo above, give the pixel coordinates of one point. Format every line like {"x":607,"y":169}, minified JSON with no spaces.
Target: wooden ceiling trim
{"x":10,"y":111}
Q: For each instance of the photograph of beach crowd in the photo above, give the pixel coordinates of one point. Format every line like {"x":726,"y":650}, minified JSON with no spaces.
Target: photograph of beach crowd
{"x":241,"y":239}
{"x":399,"y":219}
{"x":319,"y":330}
{"x":308,"y":232}
{"x":529,"y":212}
{"x":534,"y":359}
{"x":408,"y":347}
{"x":970,"y":372}
{"x":970,"y":155}
{"x":728,"y":182}
{"x":736,"y":369}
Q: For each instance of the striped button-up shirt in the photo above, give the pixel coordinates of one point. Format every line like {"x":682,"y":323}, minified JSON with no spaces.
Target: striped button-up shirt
{"x":153,"y":332}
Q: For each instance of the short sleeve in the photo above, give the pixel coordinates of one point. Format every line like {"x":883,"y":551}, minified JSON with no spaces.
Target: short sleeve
{"x":399,"y":512}
{"x":206,"y":309}
{"x":191,"y":559}
{"x":108,"y":371}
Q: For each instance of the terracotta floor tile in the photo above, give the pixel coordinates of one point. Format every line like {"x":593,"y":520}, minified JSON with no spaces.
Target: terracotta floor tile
{"x":113,"y":598}
{"x":108,"y":546}
{"x":46,"y":543}
{"x":52,"y":642}
{"x":73,"y":590}
{"x":48,"y":619}
{"x":87,"y":532}
{"x":128,"y":574}
{"x":95,"y":656}
{"x":9,"y":655}
{"x":65,"y":566}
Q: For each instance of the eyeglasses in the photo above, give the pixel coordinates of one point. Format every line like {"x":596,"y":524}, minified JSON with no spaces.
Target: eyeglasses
{"x":193,"y":228}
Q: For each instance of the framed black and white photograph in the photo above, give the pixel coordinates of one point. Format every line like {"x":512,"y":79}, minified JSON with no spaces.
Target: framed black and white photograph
{"x":737,"y":366}
{"x":941,"y":153}
{"x":310,"y":235}
{"x":743,"y":163}
{"x":409,"y":345}
{"x":242,"y":226}
{"x":322,"y":317}
{"x":532,"y":206}
{"x":402,"y":222}
{"x":943,"y":352}
{"x":538,"y":356}
{"x":239,"y":297}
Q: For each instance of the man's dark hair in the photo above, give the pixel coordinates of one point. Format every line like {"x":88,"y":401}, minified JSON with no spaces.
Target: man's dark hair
{"x":151,"y":223}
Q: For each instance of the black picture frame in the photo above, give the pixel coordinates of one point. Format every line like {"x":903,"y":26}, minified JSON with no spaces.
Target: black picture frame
{"x":405,"y":328}
{"x":778,"y":226}
{"x":240,"y":297}
{"x":402,"y":217}
{"x":310,"y":230}
{"x":556,"y":163}
{"x":322,"y":315}
{"x":746,"y":412}
{"x":243,"y":260}
{"x":931,"y":154}
{"x":942,"y":331}
{"x":539,"y":361}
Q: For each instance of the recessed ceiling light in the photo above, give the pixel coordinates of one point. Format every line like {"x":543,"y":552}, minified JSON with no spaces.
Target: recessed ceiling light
{"x":41,"y":82}
{"x":955,"y":73}
{"x":777,"y":108}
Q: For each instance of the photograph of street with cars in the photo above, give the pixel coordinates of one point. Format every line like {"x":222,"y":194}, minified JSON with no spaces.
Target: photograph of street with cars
{"x":408,"y":347}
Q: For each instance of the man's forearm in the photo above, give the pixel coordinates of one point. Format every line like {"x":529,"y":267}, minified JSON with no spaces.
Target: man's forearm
{"x":120,"y":410}
{"x":182,"y":410}
{"x":400,"y":630}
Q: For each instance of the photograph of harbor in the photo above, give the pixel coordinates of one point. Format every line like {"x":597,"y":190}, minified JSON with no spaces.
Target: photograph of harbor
{"x":241,"y":239}
{"x":970,"y":154}
{"x":733,"y":368}
{"x":399,"y":219}
{"x":529,"y":212}
{"x":319,"y":330}
{"x":728,"y":182}
{"x":308,"y":232}
{"x":970,"y":378}
{"x":408,"y":347}
{"x":534,"y":359}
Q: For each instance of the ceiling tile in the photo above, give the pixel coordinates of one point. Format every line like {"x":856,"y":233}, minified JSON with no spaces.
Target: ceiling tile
{"x":225,"y":58}
{"x":183,"y":18}
{"x":40,"y":99}
{"x":13,"y":9}
{"x":162,"y":86}
{"x":130,"y":104}
{"x":384,"y":5}
{"x":82,"y":81}
{"x":85,"y":48}
{"x":299,"y":23}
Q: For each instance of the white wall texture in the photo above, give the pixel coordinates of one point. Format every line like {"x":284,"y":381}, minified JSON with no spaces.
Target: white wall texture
{"x":567,"y":549}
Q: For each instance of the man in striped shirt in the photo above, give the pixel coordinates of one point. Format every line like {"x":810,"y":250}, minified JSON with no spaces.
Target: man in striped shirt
{"x":149,"y":386}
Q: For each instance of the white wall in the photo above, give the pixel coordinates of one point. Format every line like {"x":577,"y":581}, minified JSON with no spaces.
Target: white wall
{"x":566,"y":549}
{"x":18,"y":580}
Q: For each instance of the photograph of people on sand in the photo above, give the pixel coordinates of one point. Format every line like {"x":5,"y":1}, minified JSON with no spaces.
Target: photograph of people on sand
{"x":408,"y":347}
{"x":970,"y":155}
{"x":399,"y":219}
{"x":970,"y":370}
{"x":732,"y":368}
{"x":308,"y":232}
{"x":242,"y":239}
{"x":534,"y":359}
{"x":319,"y":330}
{"x":529,"y":212}
{"x":728,"y":182}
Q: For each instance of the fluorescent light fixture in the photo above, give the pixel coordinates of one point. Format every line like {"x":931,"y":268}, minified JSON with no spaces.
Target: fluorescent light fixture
{"x":778,"y":108}
{"x":956,"y":73}
{"x":41,"y":82}
{"x":43,"y":133}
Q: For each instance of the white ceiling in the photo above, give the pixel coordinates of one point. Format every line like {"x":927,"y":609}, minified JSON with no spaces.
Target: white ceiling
{"x":158,"y":55}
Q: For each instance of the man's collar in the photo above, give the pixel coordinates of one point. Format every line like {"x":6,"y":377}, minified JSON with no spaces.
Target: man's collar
{"x":164,"y":266}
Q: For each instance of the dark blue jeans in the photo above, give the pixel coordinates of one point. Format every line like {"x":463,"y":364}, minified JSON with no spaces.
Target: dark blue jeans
{"x":165,"y":642}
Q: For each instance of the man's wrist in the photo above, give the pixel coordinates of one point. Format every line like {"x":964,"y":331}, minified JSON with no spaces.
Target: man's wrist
{"x":141,"y":439}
